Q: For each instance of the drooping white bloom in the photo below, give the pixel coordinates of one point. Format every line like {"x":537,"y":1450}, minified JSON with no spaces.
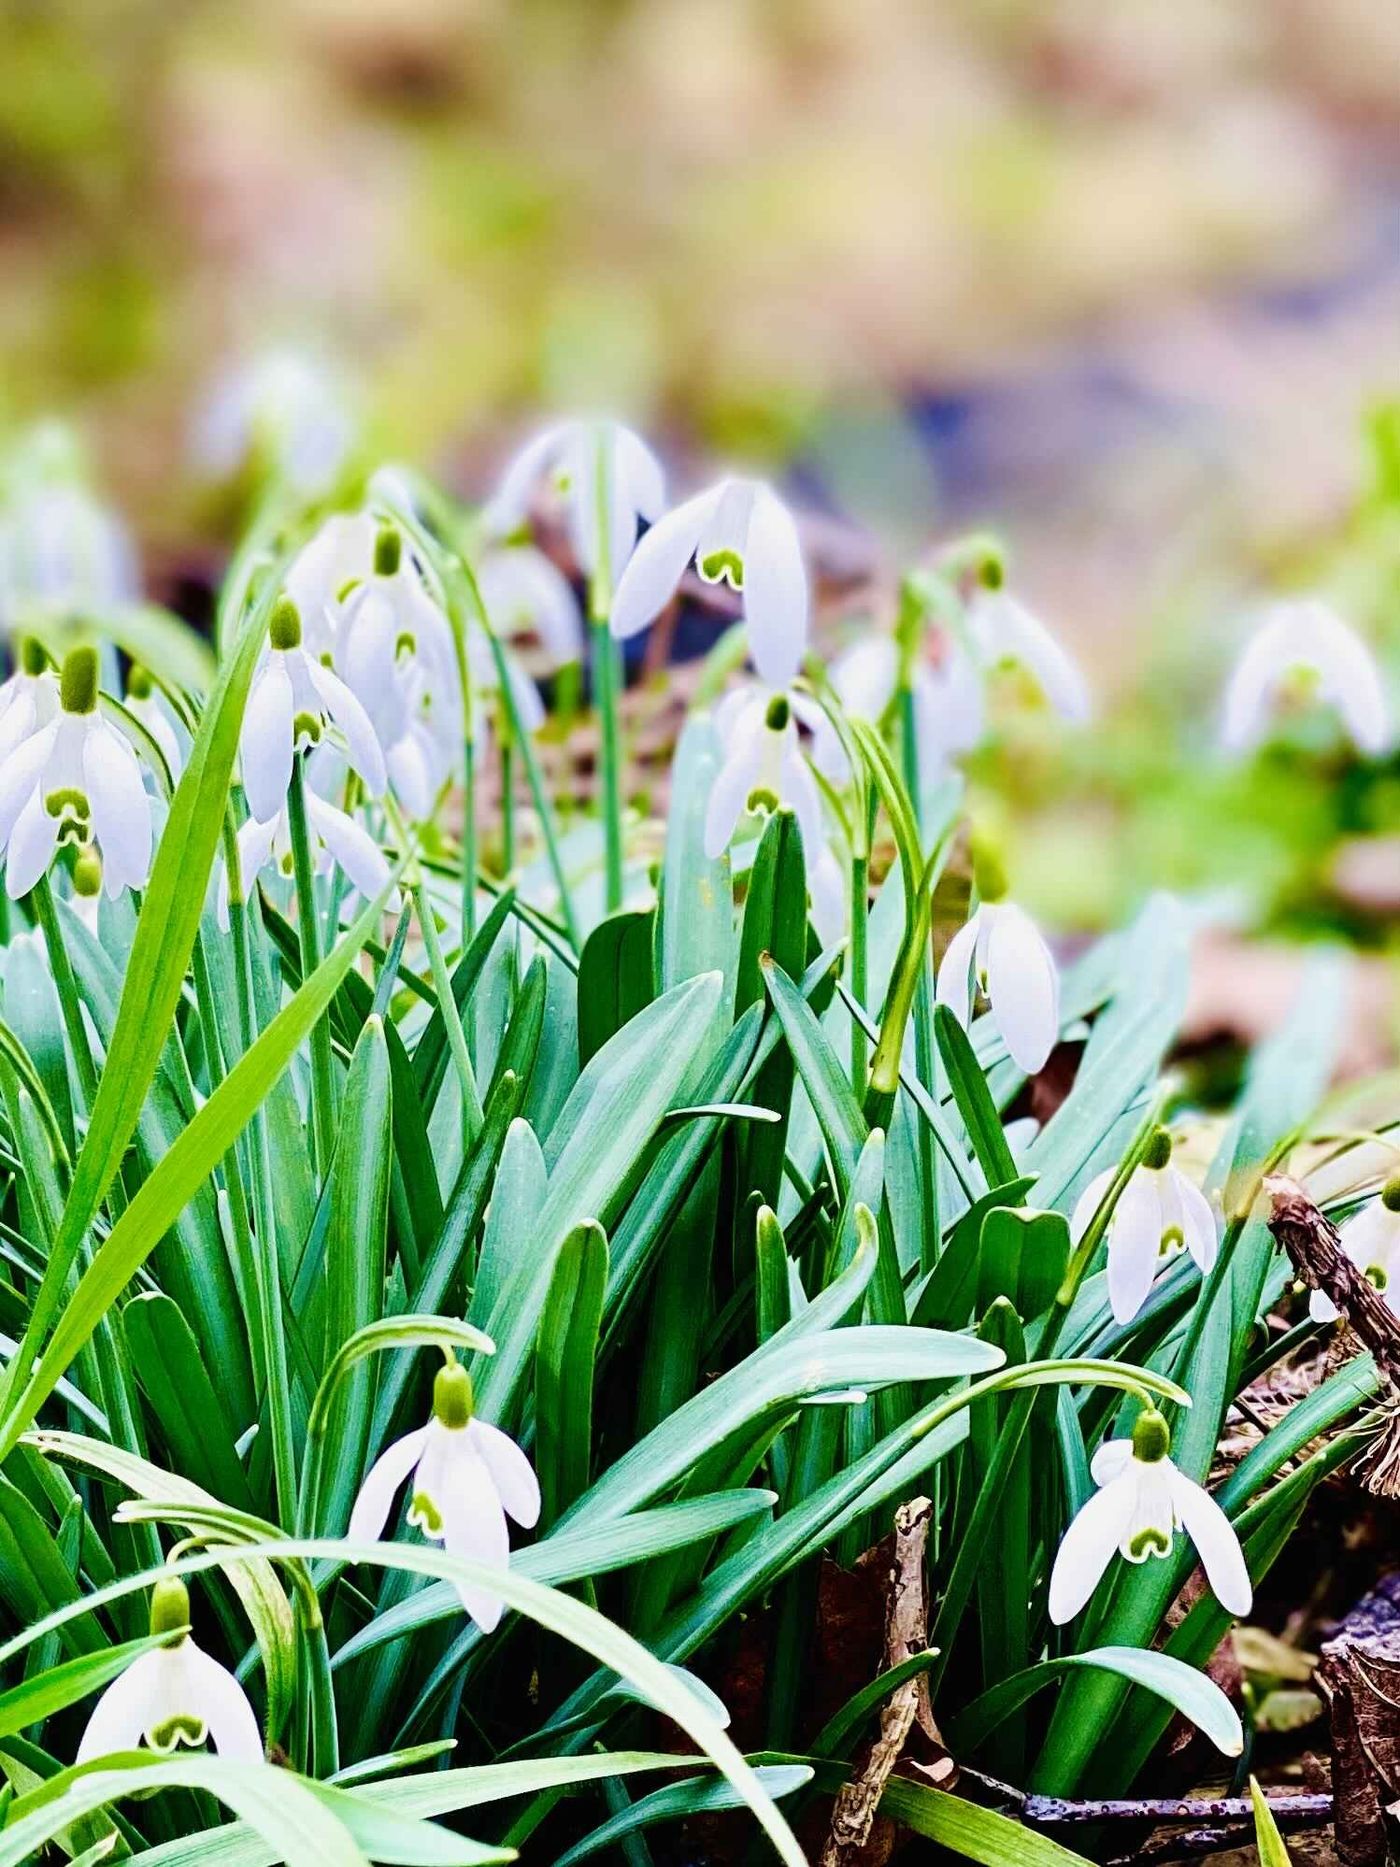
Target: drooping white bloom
{"x":75,"y":782}
{"x":583,"y":460}
{"x":63,"y":554}
{"x":468,"y":1477}
{"x":336,"y":841}
{"x":949,"y":714}
{"x":1003,"y":633}
{"x":177,"y":1694}
{"x":394,"y":644}
{"x":28,"y":699}
{"x":1001,"y":953}
{"x":740,"y":533}
{"x":146,"y":704}
{"x":1142,"y":1501}
{"x":1159,"y":1210}
{"x":1304,"y":653}
{"x":281,"y":412}
{"x":523,"y":591}
{"x":327,"y":570}
{"x":295,"y":704}
{"x":1371,"y":1239}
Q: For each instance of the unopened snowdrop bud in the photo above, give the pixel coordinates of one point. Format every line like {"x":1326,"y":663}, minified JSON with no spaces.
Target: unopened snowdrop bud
{"x":1141,"y":1502}
{"x":467,"y":1478}
{"x":1001,"y":954}
{"x":175,"y":1695}
{"x":1160,"y":1211}
{"x":1304,"y":655}
{"x":297,"y":703}
{"x":1005,"y":635}
{"x":587,"y":462}
{"x":739,"y":533}
{"x":72,"y":783}
{"x":1371,"y":1239}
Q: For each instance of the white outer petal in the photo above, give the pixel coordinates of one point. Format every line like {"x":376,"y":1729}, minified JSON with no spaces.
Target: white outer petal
{"x":1089,"y":1202}
{"x":509,"y":505}
{"x":732,"y":784}
{"x":641,"y":481}
{"x":32,"y":843}
{"x":363,"y":749}
{"x":363,"y":861}
{"x":121,"y":1716}
{"x":376,"y":1496}
{"x":1111,"y":1460}
{"x":1006,"y":629}
{"x":1089,"y":1546}
{"x":20,"y":773}
{"x":1134,"y":1241}
{"x":474,"y":1525}
{"x":511,"y":1472}
{"x":1352,"y":682}
{"x":121,"y":809}
{"x":656,"y":566}
{"x":1216,"y":1543}
{"x":1023,"y":986}
{"x":775,"y":590}
{"x":955,"y":983}
{"x":217,"y":1698}
{"x":864,"y":677}
{"x":1198,"y":1223}
{"x":266,"y":742}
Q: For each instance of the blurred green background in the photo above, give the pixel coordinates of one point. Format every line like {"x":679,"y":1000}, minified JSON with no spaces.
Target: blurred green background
{"x":1123,"y":281}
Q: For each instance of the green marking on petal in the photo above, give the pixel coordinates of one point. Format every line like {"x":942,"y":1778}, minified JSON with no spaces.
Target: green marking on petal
{"x":425,"y":1514}
{"x":1151,"y":1540}
{"x":307,"y":726}
{"x":183,"y":1728}
{"x":67,"y":802}
{"x":1173,"y":1238}
{"x":722,"y":566}
{"x":761,"y":799}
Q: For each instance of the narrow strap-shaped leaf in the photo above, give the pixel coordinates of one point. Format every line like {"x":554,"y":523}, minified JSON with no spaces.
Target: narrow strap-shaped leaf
{"x":564,"y":1364}
{"x":974,"y":1099}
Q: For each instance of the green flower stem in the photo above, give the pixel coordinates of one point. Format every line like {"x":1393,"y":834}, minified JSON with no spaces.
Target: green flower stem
{"x":472,"y":1115}
{"x":322,"y":1066}
{"x":860,"y":972}
{"x":607,"y":678}
{"x":469,"y":859}
{"x":507,"y":745}
{"x":244,"y":1252}
{"x":267,"y":1269}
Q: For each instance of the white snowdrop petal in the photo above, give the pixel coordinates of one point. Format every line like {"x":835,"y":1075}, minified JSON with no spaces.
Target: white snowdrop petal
{"x":474,"y":1527}
{"x":218,"y":1698}
{"x":509,"y":506}
{"x":864,"y":677}
{"x":376,"y":1496}
{"x":1111,"y":1460}
{"x":511,"y":1472}
{"x":955,"y":987}
{"x":121,"y":809}
{"x":641,"y":481}
{"x":1351,"y":681}
{"x":1198,"y":1223}
{"x":20,"y":773}
{"x":733,"y":782}
{"x":31,"y":849}
{"x":1321,"y":1308}
{"x":411,"y":777}
{"x":1088,"y":1547}
{"x":775,"y":590}
{"x":1089,"y":1202}
{"x":122,"y":1715}
{"x":363,"y":749}
{"x":1216,"y":1543}
{"x":358,"y":854}
{"x":1134,"y":1240}
{"x":656,"y":566}
{"x":266,"y":743}
{"x":1023,"y":986}
{"x":369,"y":661}
{"x":827,"y":886}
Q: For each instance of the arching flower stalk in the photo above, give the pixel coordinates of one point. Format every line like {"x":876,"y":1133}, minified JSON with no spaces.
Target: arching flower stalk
{"x":175,"y":1695}
{"x":468,"y":1477}
{"x":1159,"y":1212}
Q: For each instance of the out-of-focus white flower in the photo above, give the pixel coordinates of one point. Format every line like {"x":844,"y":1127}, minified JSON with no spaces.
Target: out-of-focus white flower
{"x":394,"y":644}
{"x":763,"y":767}
{"x":336,"y":839}
{"x":468,"y":1477}
{"x":1158,"y":1211}
{"x":146,"y":704}
{"x":1302,"y":654}
{"x":327,"y":570}
{"x":583,"y":459}
{"x":28,"y":699}
{"x":1371,"y":1239}
{"x":1004,"y":634}
{"x":1142,"y":1502}
{"x":297,"y":703}
{"x":281,"y":412}
{"x":949,"y":714}
{"x":1001,"y":953}
{"x":63,"y":554}
{"x":523,"y":591}
{"x":175,"y":1695}
{"x":489,"y":690}
{"x":75,"y":782}
{"x":740,"y":533}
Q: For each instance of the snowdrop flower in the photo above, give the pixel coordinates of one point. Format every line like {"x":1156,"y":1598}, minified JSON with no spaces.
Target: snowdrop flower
{"x":63,"y":554}
{"x":390,"y":631}
{"x":1304,"y":653}
{"x":522,"y":590}
{"x":584,"y":459}
{"x":145,"y":703}
{"x":764,"y":767}
{"x":1142,"y":1501}
{"x":329,"y":567}
{"x":1001,"y":954}
{"x":298,"y":703}
{"x":176,"y":1694}
{"x":1158,"y":1211}
{"x":949,"y":717}
{"x":1371,"y":1239}
{"x":1004,"y":634}
{"x":468,"y":1477}
{"x":29,"y":699}
{"x":739,"y":533}
{"x":282,"y":412}
{"x":336,"y":840}
{"x":75,"y":782}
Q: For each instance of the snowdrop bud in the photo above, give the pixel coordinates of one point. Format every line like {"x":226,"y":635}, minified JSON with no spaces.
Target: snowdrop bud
{"x":453,"y":1400}
{"x":33,"y":656}
{"x":78,"y":681}
{"x":284,"y":625}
